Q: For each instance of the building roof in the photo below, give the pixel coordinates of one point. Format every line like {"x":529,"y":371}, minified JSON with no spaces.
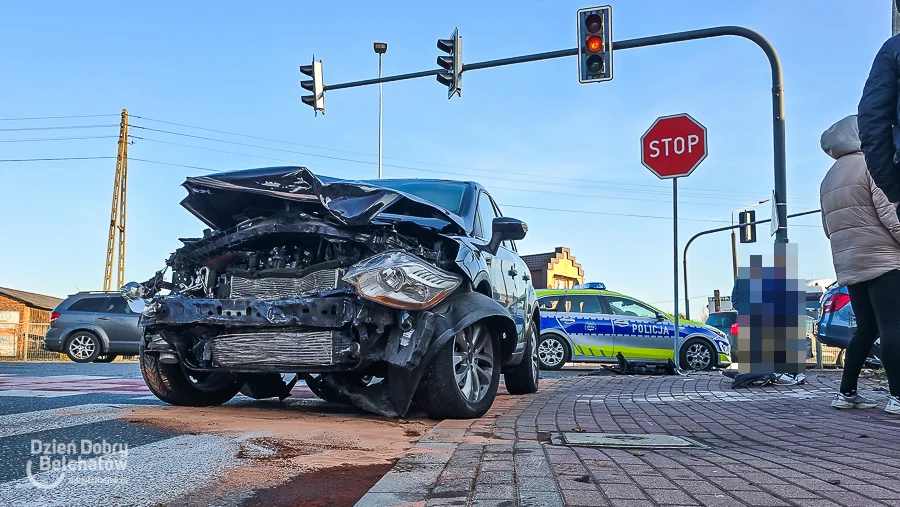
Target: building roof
{"x":538,"y":261}
{"x":31,"y":299}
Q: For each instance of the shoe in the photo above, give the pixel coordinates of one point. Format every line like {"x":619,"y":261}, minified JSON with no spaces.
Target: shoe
{"x":857,"y":401}
{"x":893,"y":406}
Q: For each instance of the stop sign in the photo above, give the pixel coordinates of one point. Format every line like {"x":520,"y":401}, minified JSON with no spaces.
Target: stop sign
{"x":673,"y":146}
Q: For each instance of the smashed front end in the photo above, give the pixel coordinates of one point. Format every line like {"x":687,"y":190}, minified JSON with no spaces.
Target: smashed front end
{"x":300,"y":276}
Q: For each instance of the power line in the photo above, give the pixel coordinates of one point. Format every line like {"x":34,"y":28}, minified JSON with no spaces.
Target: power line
{"x":173,"y":165}
{"x":612,"y":214}
{"x":493,"y":187}
{"x":519,"y":179}
{"x":477,"y":169}
{"x":65,"y":127}
{"x":58,"y":117}
{"x":54,"y":139}
{"x":51,"y":159}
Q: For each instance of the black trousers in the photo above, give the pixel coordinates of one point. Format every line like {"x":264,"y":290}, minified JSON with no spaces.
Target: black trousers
{"x":876,"y":304}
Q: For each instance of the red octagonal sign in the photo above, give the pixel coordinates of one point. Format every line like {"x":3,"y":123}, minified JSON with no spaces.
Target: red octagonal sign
{"x":673,"y":146}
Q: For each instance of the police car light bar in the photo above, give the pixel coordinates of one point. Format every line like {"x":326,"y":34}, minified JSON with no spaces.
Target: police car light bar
{"x":590,"y":285}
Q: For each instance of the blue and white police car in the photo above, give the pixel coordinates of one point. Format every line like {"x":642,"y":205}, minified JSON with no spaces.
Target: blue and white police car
{"x":591,"y":324}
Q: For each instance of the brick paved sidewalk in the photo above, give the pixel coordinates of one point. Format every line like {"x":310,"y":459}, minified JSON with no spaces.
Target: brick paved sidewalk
{"x":771,"y":446}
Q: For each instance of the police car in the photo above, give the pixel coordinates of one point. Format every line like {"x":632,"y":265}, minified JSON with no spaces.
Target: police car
{"x":591,"y":324}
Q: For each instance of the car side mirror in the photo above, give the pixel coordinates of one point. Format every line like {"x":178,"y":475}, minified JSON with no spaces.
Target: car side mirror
{"x":661,"y":317}
{"x":504,"y":229}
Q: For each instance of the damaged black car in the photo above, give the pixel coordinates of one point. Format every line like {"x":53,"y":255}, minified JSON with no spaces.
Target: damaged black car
{"x":382,"y":294}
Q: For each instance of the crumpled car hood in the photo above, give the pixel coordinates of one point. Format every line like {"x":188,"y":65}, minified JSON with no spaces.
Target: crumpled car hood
{"x":224,"y":200}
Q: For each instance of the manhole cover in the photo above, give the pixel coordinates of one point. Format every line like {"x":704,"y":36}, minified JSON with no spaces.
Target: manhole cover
{"x":624,"y":441}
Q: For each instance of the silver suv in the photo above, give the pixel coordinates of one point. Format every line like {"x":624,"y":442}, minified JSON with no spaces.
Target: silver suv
{"x":94,"y":327}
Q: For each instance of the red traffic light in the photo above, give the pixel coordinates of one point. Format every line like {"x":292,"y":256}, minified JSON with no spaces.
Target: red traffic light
{"x":593,"y":23}
{"x":594,"y":44}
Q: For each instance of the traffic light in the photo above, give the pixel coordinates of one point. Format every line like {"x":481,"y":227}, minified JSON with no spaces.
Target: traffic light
{"x":748,"y":232}
{"x":315,"y":85}
{"x":595,"y":56}
{"x":452,"y":65}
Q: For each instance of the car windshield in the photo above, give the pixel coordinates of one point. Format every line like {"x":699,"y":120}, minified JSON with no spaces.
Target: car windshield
{"x":446,"y":194}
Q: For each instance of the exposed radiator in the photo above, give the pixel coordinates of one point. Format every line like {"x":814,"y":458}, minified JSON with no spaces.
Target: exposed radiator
{"x":279,"y":348}
{"x":280,"y":288}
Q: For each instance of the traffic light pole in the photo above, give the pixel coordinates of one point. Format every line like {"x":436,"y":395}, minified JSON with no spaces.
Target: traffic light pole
{"x":778,"y":130}
{"x":687,"y":306}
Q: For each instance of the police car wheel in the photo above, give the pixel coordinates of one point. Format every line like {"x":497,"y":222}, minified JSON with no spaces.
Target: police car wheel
{"x":553,"y":352}
{"x":697,"y":355}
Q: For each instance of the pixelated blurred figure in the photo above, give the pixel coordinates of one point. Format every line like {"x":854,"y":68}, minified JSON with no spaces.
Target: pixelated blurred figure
{"x":771,"y":314}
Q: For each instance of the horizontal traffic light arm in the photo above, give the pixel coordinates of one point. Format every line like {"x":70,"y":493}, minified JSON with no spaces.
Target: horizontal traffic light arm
{"x":703,"y":33}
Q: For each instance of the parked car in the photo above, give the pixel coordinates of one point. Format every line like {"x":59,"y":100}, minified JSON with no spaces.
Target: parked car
{"x":726,"y":322}
{"x":837,"y":323}
{"x":376,"y":292}
{"x":94,"y":327}
{"x":595,"y":325}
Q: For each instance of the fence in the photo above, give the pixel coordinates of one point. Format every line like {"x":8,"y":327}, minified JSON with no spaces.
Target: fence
{"x":831,"y":356}
{"x":25,"y":342}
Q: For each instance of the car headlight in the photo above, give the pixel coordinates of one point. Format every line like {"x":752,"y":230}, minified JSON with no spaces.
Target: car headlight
{"x":401,"y":280}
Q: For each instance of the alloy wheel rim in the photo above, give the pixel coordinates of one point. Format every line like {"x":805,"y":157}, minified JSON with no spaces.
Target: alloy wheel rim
{"x":82,"y":347}
{"x":473,"y":362}
{"x":551,"y":351}
{"x":535,"y":359}
{"x":698,"y":356}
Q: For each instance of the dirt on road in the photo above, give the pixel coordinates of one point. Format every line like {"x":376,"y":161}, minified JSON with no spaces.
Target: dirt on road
{"x":294,"y":457}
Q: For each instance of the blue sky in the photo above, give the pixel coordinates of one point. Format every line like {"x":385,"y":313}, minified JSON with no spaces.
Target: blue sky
{"x":232,"y":66}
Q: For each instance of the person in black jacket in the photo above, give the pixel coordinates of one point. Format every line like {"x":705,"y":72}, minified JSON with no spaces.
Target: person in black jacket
{"x":879,"y":128}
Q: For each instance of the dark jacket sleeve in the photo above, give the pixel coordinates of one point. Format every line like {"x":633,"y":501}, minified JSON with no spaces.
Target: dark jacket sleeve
{"x":877,"y":117}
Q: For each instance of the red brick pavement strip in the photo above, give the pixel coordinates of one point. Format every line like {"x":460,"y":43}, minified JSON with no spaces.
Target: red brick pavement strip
{"x":775,"y":446}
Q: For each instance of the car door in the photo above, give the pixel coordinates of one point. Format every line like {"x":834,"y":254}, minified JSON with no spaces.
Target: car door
{"x":639,"y":332}
{"x":589,"y":329}
{"x":120,"y":324}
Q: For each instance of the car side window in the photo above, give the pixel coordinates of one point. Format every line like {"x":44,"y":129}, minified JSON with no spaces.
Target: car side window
{"x":549,"y":303}
{"x":117,"y":304}
{"x":485,"y":217}
{"x":629,"y":307}
{"x":583,"y":304}
{"x":90,"y":304}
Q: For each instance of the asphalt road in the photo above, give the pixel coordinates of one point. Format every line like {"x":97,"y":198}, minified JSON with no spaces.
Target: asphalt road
{"x":177,"y":456}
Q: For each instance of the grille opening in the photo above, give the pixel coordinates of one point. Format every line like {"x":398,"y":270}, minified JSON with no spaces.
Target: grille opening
{"x":218,"y":310}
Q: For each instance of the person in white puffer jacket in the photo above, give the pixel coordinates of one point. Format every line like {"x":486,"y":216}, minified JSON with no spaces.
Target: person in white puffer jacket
{"x":864,"y":231}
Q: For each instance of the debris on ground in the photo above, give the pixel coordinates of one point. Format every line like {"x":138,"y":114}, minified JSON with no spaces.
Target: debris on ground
{"x":763,"y":379}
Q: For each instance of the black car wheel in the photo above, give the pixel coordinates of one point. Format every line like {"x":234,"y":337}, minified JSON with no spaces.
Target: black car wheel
{"x":83,"y":347}
{"x":177,"y":385}
{"x":461,"y":381}
{"x":524,"y":378}
{"x":553,"y":352}
{"x":697,"y":355}
{"x":108,"y":358}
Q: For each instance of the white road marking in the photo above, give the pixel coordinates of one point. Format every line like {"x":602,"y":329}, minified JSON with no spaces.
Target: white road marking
{"x":31,"y":393}
{"x":65,"y":417}
{"x":153,"y":474}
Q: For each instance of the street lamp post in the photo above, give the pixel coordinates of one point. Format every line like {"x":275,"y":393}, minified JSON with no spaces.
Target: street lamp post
{"x":734,"y":262}
{"x":381,"y":49}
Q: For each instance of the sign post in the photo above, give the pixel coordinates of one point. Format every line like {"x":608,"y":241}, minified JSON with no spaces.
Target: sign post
{"x":672,"y":148}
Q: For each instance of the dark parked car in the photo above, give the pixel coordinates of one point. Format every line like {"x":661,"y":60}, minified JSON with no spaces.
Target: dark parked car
{"x":726,"y":322}
{"x":94,"y":327}
{"x":836,"y":323}
{"x":377,"y":293}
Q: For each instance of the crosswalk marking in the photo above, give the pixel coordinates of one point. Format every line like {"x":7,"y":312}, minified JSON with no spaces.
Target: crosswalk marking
{"x":153,"y":474}
{"x":56,"y":418}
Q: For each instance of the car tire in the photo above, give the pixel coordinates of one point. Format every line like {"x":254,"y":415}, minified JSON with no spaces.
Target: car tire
{"x":171,"y":384}
{"x":108,"y":358}
{"x":524,"y":378}
{"x":553,"y":352}
{"x":83,"y":346}
{"x":694,"y":358}
{"x":470,"y":358}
